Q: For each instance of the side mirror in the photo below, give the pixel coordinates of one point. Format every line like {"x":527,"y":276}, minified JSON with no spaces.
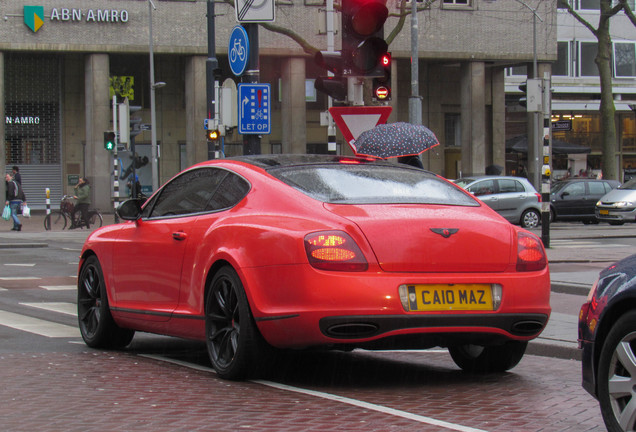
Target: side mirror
{"x":130,"y":209}
{"x":564,"y":194}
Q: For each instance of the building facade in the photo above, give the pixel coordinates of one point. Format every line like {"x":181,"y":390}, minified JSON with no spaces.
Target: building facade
{"x":61,"y":62}
{"x":576,"y":93}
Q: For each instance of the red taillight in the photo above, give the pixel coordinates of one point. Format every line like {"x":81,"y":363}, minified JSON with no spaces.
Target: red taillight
{"x":334,"y":250}
{"x":530,"y":253}
{"x":538,"y":196}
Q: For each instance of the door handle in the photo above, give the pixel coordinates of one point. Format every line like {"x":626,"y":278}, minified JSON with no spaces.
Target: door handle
{"x":180,"y":235}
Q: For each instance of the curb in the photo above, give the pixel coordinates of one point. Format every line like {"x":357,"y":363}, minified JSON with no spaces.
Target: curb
{"x":564,"y":350}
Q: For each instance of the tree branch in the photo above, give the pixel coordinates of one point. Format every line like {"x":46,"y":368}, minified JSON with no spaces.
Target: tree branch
{"x":579,"y":18}
{"x":628,"y":11}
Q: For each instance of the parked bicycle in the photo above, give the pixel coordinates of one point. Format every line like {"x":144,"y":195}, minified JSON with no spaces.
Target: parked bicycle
{"x":58,"y":220}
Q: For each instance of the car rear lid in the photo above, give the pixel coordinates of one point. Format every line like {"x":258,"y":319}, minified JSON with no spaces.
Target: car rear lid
{"x":433,"y":238}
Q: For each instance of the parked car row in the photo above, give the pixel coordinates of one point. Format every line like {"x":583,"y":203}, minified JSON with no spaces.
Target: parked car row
{"x":577,"y":199}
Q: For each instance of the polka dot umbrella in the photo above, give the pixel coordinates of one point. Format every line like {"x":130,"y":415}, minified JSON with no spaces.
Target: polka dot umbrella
{"x":394,"y":139}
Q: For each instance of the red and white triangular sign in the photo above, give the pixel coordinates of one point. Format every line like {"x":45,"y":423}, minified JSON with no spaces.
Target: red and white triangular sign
{"x":354,"y":120}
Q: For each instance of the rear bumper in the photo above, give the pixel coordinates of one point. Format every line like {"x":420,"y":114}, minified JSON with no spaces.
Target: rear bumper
{"x":301,"y":307}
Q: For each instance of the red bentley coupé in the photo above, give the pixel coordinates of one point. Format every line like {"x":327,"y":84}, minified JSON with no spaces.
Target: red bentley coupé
{"x":260,"y":253}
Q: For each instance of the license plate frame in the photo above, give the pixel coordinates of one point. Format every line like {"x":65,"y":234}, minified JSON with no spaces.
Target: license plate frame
{"x":450,"y":297}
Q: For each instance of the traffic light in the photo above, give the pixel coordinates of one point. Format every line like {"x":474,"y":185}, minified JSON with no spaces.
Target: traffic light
{"x":334,"y":86}
{"x":363,"y":44}
{"x":129,"y":127}
{"x":382,"y":85}
{"x":523,"y":100}
{"x":532,"y":98}
{"x":213,"y":134}
{"x":109,"y":140}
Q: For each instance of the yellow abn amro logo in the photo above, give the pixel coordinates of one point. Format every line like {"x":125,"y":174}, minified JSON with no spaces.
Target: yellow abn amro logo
{"x":34,"y":17}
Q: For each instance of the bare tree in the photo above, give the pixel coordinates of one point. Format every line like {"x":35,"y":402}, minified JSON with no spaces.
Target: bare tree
{"x":603,"y":62}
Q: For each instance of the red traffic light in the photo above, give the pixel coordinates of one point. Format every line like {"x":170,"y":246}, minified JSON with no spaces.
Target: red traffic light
{"x":365,"y":17}
{"x":385,"y":60}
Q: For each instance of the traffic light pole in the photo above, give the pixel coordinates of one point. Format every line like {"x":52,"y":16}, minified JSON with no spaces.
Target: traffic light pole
{"x":252,"y":142}
{"x":115,"y":161}
{"x":211,"y":65}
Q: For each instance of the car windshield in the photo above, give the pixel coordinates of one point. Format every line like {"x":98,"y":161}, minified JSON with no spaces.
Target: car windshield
{"x":371,"y":184}
{"x":630,"y":185}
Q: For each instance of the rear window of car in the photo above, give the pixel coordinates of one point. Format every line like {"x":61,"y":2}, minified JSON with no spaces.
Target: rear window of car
{"x":371,"y":184}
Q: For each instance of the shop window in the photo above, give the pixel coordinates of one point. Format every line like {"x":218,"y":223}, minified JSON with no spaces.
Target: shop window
{"x":32,"y":109}
{"x":624,"y":59}
{"x":562,"y":66}
{"x":588,"y":51}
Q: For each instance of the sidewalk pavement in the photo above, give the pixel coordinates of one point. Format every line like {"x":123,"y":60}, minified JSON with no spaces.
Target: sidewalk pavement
{"x":573,"y":269}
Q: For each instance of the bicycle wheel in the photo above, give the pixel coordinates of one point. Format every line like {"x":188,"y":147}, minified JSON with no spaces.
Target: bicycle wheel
{"x":55,"y":221}
{"x":96,"y":219}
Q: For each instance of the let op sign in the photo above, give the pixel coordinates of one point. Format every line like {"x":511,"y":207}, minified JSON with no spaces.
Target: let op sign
{"x":254,"y":109}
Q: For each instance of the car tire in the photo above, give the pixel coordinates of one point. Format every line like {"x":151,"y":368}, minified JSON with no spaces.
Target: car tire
{"x":617,"y":375}
{"x":488,"y":359}
{"x":235,"y":346}
{"x":97,"y":327}
{"x":530,"y":218}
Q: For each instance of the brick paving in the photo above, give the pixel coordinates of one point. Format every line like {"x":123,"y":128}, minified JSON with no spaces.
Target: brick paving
{"x":118,"y":391}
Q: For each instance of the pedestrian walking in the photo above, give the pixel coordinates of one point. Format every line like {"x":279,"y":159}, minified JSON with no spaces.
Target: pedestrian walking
{"x":15,"y":172}
{"x":14,"y":199}
{"x":83,"y":197}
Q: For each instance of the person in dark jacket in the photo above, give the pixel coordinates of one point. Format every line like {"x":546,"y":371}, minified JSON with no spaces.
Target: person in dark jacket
{"x":15,"y":172}
{"x":14,"y":199}
{"x":83,"y":197}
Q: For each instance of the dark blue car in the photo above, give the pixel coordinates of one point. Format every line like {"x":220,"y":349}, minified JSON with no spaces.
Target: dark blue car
{"x":607,"y":336}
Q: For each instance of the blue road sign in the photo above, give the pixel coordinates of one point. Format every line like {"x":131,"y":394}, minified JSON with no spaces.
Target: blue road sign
{"x":239,"y":47}
{"x":254,"y":109}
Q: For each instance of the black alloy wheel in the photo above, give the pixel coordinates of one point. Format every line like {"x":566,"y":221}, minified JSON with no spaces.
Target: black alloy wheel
{"x":96,"y":324}
{"x":488,"y":359}
{"x":617,"y":375}
{"x":234,"y":343}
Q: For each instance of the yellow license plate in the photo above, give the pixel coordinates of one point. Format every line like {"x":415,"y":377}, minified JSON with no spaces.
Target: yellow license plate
{"x":440,"y":297}
{"x":603,"y":212}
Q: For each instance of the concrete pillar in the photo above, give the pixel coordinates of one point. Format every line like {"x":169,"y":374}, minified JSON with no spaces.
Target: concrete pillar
{"x":97,"y":161}
{"x":196,"y":110}
{"x":498,"y":118}
{"x":473,"y":114}
{"x":293,"y":106}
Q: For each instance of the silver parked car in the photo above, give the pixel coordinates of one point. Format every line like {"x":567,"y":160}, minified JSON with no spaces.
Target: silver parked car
{"x":514,"y":198}
{"x":619,"y":205}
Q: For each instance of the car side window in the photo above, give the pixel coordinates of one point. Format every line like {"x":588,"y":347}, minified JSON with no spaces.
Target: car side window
{"x":597,"y":188}
{"x":485,"y":187}
{"x":188,"y":193}
{"x":510,"y":185}
{"x":231,"y":190}
{"x":575,"y":189}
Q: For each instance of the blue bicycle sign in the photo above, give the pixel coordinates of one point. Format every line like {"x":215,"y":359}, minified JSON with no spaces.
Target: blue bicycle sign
{"x":239,"y":50}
